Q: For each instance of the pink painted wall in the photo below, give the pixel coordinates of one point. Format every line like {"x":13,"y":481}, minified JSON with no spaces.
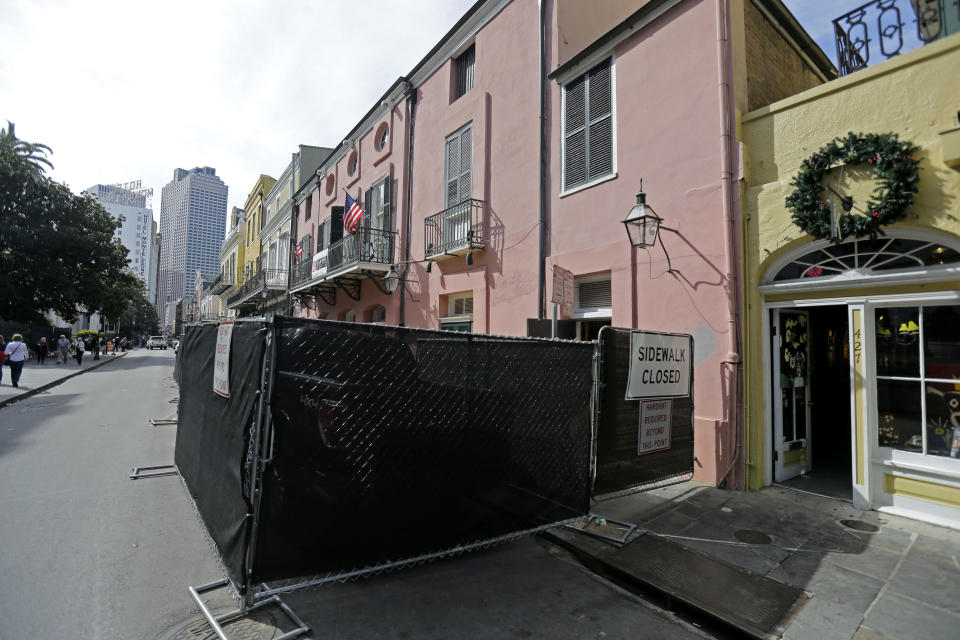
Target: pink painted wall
{"x":372,"y":166}
{"x":668,"y":132}
{"x":503,"y":107}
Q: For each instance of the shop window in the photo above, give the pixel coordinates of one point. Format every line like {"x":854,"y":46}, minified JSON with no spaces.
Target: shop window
{"x":918,"y":378}
{"x":378,"y":315}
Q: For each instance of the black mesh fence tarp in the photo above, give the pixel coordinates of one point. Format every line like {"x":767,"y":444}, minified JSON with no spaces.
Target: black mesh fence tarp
{"x":389,"y":443}
{"x":213,"y":432}
{"x":619,"y":467}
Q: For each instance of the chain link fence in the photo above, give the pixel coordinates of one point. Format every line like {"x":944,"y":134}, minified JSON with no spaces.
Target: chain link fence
{"x":347,"y":449}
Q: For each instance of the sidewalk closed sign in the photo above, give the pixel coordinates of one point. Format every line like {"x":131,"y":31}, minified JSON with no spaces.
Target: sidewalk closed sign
{"x":655,"y":416}
{"x":659,"y":365}
{"x":221,"y":362}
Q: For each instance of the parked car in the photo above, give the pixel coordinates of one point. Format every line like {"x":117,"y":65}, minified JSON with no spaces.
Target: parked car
{"x":156,"y":342}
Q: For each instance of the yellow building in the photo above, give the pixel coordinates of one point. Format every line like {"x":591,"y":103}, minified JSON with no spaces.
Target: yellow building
{"x":248,"y":244}
{"x":255,"y":209}
{"x":852,"y":344}
{"x":231,"y":260}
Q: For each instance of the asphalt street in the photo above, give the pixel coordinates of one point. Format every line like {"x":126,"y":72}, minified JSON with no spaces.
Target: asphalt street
{"x":88,"y":553}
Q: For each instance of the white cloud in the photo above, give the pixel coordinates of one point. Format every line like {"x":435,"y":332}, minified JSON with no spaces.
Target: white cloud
{"x":124,"y":91}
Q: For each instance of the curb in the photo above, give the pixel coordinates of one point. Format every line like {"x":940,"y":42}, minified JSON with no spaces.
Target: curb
{"x":44,"y":387}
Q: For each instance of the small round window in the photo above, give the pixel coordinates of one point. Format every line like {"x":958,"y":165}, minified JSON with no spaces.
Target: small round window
{"x":352,"y":163}
{"x":330,"y":184}
{"x":383,"y":136}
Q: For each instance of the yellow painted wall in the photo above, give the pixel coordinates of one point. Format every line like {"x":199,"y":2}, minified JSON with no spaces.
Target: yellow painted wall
{"x":914,"y":95}
{"x":255,"y":209}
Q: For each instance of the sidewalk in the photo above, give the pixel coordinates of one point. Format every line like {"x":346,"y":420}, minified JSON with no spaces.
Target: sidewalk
{"x":780,"y":562}
{"x":37,"y":377}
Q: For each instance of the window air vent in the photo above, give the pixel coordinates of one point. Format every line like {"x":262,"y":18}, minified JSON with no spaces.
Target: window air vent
{"x":594,"y":294}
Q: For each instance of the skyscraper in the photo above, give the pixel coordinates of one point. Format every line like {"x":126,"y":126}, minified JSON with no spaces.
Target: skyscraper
{"x":193,"y":215}
{"x":136,"y":233}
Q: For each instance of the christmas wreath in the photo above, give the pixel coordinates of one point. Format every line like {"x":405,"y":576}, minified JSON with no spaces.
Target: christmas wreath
{"x":894,"y":167}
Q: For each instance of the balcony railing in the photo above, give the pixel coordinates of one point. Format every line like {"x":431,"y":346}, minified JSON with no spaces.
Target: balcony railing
{"x":366,"y":249}
{"x":302,"y":272}
{"x":221,"y":284}
{"x":365,"y":246}
{"x":454,"y":230}
{"x":275,"y":278}
{"x":879,"y":28}
{"x":257,"y":283}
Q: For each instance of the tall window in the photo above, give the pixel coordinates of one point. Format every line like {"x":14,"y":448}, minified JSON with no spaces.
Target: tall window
{"x":464,"y":70}
{"x":459,"y":164}
{"x":918,"y":368}
{"x":377,"y":205}
{"x":309,"y":205}
{"x":588,"y":126}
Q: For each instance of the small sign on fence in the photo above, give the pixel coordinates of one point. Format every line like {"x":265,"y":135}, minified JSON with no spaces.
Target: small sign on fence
{"x":221,"y":362}
{"x":655,"y":416}
{"x":659,"y":365}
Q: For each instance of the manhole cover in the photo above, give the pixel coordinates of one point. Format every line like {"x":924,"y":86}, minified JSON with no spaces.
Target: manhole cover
{"x":258,"y":625}
{"x":750,"y":536}
{"x":860,"y":525}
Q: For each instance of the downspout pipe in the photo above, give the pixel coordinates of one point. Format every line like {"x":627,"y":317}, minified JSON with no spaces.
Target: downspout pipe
{"x":408,"y":178}
{"x":542,"y":251}
{"x":732,"y":362}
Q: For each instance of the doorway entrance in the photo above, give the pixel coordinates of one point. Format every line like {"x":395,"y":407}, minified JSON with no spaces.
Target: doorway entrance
{"x":813,"y":449}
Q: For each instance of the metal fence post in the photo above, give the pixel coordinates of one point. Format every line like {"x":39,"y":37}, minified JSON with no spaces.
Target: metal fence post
{"x":261,"y":437}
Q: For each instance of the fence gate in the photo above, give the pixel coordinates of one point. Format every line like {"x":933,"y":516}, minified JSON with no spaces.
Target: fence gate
{"x":645,"y":442}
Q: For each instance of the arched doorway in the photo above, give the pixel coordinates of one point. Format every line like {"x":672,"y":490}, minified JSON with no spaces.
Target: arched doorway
{"x":861,"y":360}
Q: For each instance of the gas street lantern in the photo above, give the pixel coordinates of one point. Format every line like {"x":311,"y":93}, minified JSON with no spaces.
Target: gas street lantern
{"x":642,"y":222}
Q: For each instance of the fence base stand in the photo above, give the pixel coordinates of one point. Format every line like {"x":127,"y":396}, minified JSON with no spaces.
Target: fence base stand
{"x":615,"y":532}
{"x":158,"y":421}
{"x":216,"y":622}
{"x":154,"y":472}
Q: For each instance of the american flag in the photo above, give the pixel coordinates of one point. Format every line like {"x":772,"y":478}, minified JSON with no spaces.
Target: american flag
{"x":352,"y":215}
{"x":298,"y":249}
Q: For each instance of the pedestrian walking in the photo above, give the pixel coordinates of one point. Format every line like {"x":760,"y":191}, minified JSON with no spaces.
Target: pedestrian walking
{"x":16,"y":352}
{"x":78,"y":351}
{"x":63,"y":347}
{"x":42,"y":349}
{"x":96,"y":348}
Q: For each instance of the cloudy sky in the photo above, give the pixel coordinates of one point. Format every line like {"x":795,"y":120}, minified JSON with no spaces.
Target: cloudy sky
{"x":128,"y":91}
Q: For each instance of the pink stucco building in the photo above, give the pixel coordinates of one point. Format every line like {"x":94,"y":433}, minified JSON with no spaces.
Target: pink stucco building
{"x":497,"y":158}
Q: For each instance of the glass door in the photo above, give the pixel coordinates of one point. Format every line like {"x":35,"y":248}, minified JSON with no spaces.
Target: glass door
{"x":791,"y":394}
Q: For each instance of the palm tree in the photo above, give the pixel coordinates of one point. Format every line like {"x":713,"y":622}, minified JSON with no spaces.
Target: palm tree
{"x":33,"y":153}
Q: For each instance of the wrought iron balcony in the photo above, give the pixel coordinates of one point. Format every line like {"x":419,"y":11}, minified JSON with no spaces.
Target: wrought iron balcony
{"x":275,"y":278}
{"x":253,"y":286}
{"x":366,"y":247}
{"x":455,"y":230}
{"x":879,"y":28}
{"x":364,"y":251}
{"x":302,"y":272}
{"x":221,"y":284}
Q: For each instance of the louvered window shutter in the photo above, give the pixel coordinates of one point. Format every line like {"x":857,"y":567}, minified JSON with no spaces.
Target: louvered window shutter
{"x":588,"y":126}
{"x":466,"y":165}
{"x":600,"y":133}
{"x":453,"y":172}
{"x":575,"y":136}
{"x":594,"y":294}
{"x":387,"y":221}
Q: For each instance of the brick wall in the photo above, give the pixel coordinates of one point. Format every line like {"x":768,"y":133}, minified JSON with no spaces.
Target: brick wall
{"x":774,"y":69}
